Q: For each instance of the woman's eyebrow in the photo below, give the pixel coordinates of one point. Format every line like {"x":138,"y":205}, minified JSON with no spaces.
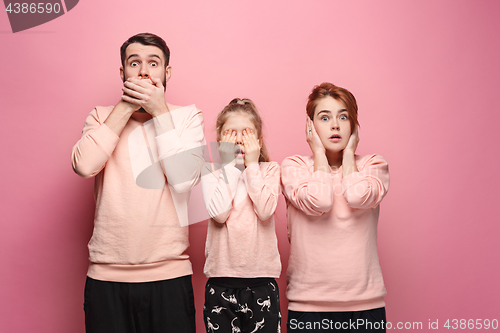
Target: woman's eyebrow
{"x":329,"y":112}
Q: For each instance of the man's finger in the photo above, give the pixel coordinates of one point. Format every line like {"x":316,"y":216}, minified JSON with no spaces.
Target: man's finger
{"x":136,"y":87}
{"x":156,"y":82}
{"x":132,"y":93}
{"x":131,"y":100}
{"x":145,"y":83}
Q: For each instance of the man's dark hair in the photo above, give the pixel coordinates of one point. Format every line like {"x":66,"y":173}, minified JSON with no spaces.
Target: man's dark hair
{"x":146,"y":38}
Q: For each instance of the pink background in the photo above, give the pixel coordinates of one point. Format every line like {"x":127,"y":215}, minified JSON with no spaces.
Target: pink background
{"x":426,"y":75}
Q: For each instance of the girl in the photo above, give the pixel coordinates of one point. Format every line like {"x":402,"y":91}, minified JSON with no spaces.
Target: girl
{"x":241,"y":195}
{"x":333,"y":201}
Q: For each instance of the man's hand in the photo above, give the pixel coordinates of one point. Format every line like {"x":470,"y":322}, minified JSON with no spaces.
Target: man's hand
{"x":120,"y":115}
{"x":129,"y":108}
{"x":146,"y":93}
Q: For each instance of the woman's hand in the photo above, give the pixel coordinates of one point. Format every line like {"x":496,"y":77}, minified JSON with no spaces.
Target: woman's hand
{"x":348,"y":159}
{"x":352,"y":145}
{"x":313,"y":139}
{"x":251,"y":147}
{"x":227,"y":147}
{"x":318,"y":150}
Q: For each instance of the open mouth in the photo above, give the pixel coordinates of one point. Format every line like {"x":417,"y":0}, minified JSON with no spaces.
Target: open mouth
{"x":335,"y":138}
{"x":239,"y":152}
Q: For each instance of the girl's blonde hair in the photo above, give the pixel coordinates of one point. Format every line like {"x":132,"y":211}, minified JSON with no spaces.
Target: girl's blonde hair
{"x":248,"y":107}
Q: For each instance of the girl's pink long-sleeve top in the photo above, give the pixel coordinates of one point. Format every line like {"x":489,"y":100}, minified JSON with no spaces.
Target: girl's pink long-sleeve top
{"x":332,"y":229}
{"x":241,"y":239}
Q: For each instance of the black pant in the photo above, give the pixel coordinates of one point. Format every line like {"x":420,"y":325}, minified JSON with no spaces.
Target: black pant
{"x":147,"y":307}
{"x":373,"y":320}
{"x":243,"y":309}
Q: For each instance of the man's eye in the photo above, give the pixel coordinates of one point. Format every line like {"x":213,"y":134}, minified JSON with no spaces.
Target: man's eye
{"x":134,"y":63}
{"x":154,"y":63}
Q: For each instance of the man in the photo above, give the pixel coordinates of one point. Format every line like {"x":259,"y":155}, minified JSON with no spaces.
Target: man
{"x":145,"y":155}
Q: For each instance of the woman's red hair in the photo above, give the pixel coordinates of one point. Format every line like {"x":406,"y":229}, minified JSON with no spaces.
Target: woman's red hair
{"x":328,"y":89}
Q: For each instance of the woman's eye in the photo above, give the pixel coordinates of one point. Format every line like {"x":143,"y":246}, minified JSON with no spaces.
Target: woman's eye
{"x":343,"y":117}
{"x":324,"y":118}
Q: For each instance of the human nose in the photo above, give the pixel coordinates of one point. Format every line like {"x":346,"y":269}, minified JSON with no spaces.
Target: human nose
{"x":335,"y":124}
{"x":239,"y":138}
{"x":143,"y":72}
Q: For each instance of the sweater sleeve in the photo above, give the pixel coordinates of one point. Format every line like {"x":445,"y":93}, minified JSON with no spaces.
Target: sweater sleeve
{"x":263,"y":187}
{"x":219,"y":186}
{"x":92,"y":151}
{"x":181,"y":149}
{"x":366,"y":189}
{"x":311,"y":193}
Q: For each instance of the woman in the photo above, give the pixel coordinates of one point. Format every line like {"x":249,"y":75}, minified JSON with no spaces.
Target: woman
{"x":333,"y":197}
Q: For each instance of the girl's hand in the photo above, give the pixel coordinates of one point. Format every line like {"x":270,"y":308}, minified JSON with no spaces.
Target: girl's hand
{"x":352,"y":145}
{"x":251,"y":147}
{"x":227,"y":147}
{"x":313,"y":138}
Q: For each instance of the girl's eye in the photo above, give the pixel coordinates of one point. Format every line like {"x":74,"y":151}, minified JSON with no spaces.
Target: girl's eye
{"x":324,"y":118}
{"x":343,"y":117}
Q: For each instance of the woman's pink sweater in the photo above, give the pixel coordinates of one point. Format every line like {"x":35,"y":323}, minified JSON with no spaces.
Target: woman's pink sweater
{"x":332,"y":229}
